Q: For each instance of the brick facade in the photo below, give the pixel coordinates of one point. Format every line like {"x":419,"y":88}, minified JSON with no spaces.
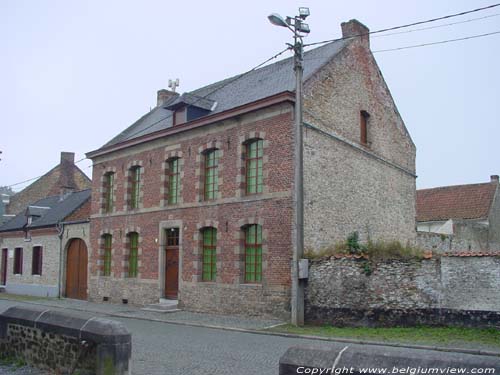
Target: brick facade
{"x":229,"y":212}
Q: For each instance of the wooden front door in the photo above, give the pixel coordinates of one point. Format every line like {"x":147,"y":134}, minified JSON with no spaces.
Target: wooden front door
{"x":172,"y":263}
{"x":76,"y":270}
{"x":3,"y":275}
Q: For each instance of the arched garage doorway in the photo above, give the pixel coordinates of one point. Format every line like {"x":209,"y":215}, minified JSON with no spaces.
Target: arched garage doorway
{"x":76,"y":269}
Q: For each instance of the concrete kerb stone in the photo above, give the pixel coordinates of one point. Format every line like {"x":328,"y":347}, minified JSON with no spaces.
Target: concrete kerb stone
{"x":356,"y":357}
{"x":112,"y":341}
{"x":293,"y":335}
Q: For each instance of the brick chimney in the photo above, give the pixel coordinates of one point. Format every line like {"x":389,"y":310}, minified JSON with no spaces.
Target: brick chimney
{"x":494,"y":178}
{"x":163,"y":96}
{"x":68,"y":157}
{"x":354,"y":28}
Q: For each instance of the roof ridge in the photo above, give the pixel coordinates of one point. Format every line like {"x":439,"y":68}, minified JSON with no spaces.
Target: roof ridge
{"x":454,"y":186}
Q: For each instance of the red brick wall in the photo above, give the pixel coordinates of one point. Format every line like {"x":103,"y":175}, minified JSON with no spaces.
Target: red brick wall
{"x":272,"y":209}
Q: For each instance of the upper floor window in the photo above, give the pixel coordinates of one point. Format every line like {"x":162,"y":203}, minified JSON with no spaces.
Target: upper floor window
{"x":254,"y":159}
{"x":364,"y":116}
{"x":173,"y":178}
{"x":36,"y":264}
{"x":253,"y":253}
{"x":211,"y":183}
{"x":133,"y":240}
{"x":135,"y":179}
{"x":108,"y":240}
{"x":209,"y":254}
{"x":109,"y":191}
{"x":18,"y":261}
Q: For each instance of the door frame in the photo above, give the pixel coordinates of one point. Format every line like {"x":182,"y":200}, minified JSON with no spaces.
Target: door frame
{"x":64,"y":274}
{"x":162,"y":240}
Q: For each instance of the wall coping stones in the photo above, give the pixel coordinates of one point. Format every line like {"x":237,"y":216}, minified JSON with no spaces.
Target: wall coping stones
{"x":357,"y":357}
{"x":112,"y":340}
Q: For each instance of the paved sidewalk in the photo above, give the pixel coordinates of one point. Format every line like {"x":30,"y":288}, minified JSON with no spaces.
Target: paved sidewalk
{"x":177,"y":317}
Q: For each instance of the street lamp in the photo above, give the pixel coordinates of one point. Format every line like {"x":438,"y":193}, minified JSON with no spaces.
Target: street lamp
{"x":300,"y":29}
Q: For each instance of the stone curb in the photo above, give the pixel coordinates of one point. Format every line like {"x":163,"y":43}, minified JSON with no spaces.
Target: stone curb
{"x":280,"y":334}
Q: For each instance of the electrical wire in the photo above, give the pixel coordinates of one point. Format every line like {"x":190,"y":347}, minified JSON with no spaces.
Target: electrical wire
{"x":229,"y":81}
{"x":406,"y":25}
{"x":439,"y":42}
{"x":438,"y":26}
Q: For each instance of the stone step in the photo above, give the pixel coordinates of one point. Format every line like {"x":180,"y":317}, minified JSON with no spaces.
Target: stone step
{"x":165,"y":306}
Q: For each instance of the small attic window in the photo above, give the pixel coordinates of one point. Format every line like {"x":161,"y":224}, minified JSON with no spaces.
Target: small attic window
{"x":179,"y":116}
{"x":364,"y":116}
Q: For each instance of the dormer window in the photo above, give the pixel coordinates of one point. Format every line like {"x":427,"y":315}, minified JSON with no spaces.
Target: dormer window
{"x":188,"y":107}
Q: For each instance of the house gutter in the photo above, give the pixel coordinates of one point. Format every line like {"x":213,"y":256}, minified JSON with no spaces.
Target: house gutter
{"x":60,"y":234}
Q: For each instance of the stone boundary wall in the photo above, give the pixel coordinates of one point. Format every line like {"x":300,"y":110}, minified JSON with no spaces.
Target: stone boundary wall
{"x":447,"y":290}
{"x":60,"y":342}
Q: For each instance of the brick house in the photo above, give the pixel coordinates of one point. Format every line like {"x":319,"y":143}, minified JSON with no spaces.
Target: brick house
{"x":43,"y":249}
{"x":194,"y":200}
{"x":467,"y":217}
{"x":64,"y":177}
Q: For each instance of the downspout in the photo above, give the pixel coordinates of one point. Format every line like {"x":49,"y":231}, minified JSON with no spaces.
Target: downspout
{"x":60,"y":234}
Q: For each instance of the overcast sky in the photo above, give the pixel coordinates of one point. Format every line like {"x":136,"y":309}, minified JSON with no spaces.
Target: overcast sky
{"x":73,"y":74}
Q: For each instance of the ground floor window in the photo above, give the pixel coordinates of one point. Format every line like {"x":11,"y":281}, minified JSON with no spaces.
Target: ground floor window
{"x":36,"y":263}
{"x":108,"y":239}
{"x":209,"y":254}
{"x":253,"y":253}
{"x":18,"y":261}
{"x":132,"y":258}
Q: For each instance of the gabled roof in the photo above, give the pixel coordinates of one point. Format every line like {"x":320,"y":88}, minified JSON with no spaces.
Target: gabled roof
{"x":231,"y":92}
{"x":56,"y":210}
{"x":455,"y":202}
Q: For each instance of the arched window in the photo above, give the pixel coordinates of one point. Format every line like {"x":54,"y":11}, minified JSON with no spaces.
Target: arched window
{"x":173,"y":180}
{"x":211,"y":181}
{"x":253,"y":253}
{"x":135,"y":186}
{"x":133,"y":245}
{"x":107,"y":241}
{"x":254,"y":157}
{"x":109,"y":191}
{"x":209,"y":254}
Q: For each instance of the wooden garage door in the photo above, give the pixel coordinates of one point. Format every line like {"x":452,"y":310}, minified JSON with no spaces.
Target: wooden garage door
{"x":76,"y":270}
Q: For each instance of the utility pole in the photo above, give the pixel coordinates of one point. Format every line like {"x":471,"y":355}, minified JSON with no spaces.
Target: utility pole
{"x":298,"y":27}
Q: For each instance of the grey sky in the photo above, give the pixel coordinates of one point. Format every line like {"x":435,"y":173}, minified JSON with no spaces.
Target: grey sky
{"x":75,"y":73}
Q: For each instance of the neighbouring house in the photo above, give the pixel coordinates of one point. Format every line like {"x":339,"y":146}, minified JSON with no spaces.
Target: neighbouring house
{"x":4,"y":201}
{"x":194,"y":200}
{"x":64,"y":177}
{"x":44,"y":248}
{"x":460,"y":218}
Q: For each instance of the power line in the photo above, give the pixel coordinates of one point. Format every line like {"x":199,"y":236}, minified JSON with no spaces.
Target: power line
{"x":213,"y":91}
{"x":438,"y":26}
{"x":406,"y":25}
{"x":440,"y":42}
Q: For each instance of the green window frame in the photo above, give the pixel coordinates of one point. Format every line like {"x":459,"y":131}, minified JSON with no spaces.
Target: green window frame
{"x":110,"y":191}
{"x":209,"y":254}
{"x":136,"y":187}
{"x":253,"y":253}
{"x":173,"y":181}
{"x":108,"y":240}
{"x":132,"y":257}
{"x":211,"y":184}
{"x":254,"y":160}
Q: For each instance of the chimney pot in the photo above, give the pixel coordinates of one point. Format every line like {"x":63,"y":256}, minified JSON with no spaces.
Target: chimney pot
{"x":68,"y":157}
{"x":353,"y":28}
{"x":494,"y":178}
{"x":163,"y":96}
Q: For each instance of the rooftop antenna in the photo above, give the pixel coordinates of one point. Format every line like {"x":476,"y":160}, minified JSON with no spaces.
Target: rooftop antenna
{"x":173,"y":84}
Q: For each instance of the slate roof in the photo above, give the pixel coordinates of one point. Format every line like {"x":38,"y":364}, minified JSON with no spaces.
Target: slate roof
{"x":455,"y":202}
{"x":231,"y":92}
{"x":58,"y":210}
